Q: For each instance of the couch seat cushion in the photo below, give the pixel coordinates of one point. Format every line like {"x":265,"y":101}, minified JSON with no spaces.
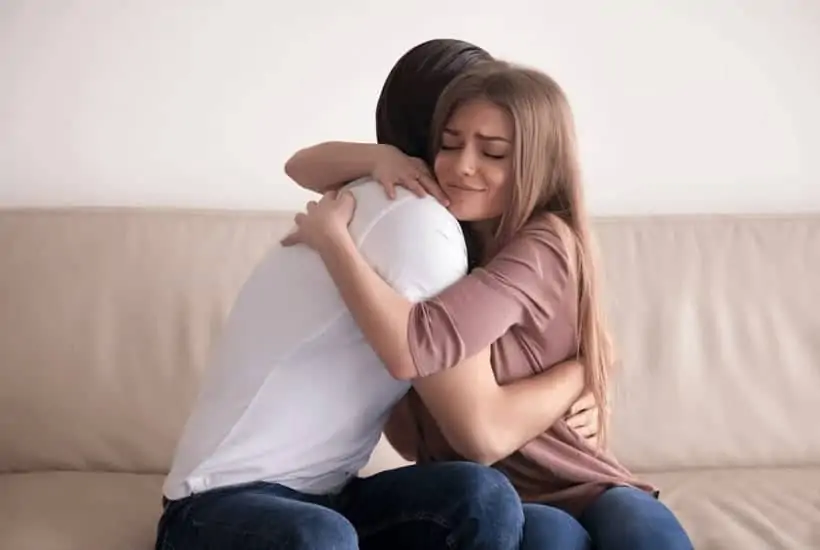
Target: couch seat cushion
{"x":753,"y":509}
{"x":79,"y":511}
{"x":765,"y":509}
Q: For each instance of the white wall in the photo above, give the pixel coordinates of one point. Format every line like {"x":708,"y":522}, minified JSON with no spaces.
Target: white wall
{"x":682,"y":106}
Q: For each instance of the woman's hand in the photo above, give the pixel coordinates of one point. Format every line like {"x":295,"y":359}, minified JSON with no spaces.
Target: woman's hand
{"x":584,"y":419}
{"x":392,"y":167}
{"x":322,"y":221}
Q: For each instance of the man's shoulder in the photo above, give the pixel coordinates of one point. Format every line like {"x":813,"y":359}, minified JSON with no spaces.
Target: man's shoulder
{"x":374,"y":208}
{"x":414,"y":243}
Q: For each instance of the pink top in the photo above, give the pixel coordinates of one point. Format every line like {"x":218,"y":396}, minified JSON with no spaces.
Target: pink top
{"x":524,"y":303}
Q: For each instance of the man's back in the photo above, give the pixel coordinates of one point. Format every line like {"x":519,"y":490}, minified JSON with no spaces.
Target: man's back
{"x":295,"y":395}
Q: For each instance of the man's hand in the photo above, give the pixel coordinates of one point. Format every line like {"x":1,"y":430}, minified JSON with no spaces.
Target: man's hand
{"x":583,"y":417}
{"x":323,"y":220}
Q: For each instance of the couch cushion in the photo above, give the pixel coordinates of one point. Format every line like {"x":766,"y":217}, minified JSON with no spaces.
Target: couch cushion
{"x":752,"y":509}
{"x":106,"y":321}
{"x":716,"y":321}
{"x":763,"y":509}
{"x":107,"y":318}
{"x":79,"y":511}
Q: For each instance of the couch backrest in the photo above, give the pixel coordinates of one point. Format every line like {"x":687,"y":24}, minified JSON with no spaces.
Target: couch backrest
{"x":107,"y":318}
{"x":718,"y":322}
{"x":106,"y":321}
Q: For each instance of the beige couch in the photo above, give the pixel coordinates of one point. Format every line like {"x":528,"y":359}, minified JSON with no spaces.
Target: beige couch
{"x":107,"y":317}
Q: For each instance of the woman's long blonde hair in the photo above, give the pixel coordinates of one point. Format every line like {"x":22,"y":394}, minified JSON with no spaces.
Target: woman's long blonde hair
{"x":547,"y":180}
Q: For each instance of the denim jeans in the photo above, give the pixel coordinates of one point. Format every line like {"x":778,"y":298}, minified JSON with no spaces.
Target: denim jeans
{"x":623,"y":518}
{"x":457,"y":505}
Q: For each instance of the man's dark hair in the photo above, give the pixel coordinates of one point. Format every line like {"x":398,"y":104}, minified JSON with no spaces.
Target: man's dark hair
{"x":405,"y":109}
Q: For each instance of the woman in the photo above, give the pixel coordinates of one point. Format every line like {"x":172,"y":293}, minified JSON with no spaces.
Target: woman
{"x":506,"y":162}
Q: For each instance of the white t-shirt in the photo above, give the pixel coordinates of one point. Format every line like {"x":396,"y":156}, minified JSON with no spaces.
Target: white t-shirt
{"x":295,"y":395}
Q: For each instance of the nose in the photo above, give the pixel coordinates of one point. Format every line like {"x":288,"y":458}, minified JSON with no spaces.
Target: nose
{"x":466,"y":163}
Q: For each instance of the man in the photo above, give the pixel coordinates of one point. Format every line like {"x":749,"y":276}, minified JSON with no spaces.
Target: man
{"x":296,"y":399}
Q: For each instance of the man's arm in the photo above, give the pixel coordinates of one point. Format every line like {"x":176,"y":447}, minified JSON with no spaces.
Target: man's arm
{"x":402,"y":431}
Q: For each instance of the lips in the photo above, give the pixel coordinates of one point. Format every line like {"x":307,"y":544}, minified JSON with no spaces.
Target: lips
{"x":464,"y":188}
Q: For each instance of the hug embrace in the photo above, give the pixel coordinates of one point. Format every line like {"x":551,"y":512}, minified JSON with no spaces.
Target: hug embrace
{"x":444,"y":291}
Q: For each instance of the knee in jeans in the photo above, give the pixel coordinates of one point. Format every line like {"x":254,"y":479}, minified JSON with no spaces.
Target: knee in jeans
{"x":548,"y":527}
{"x":487,"y":493}
{"x":649,"y":537}
{"x":668,"y":535}
{"x":323,"y":530}
{"x":635,"y":520}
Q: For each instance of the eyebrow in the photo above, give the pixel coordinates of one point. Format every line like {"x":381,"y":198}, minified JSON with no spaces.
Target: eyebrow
{"x":480,"y":136}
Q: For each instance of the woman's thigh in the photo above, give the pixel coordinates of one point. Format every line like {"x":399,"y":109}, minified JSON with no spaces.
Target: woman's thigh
{"x":627,"y":518}
{"x":259,"y":516}
{"x":547,"y":528}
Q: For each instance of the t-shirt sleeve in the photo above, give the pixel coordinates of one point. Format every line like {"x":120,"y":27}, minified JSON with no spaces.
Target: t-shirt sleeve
{"x":417,"y":247}
{"x":524,"y":283}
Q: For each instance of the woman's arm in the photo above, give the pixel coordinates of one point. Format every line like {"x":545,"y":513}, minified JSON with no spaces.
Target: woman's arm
{"x":380,"y":311}
{"x":412,"y":340}
{"x":480,"y":419}
{"x":330,"y":165}
{"x":485,"y":422}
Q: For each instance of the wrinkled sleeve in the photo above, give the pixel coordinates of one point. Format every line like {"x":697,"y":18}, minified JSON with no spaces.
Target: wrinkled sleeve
{"x":522,"y":283}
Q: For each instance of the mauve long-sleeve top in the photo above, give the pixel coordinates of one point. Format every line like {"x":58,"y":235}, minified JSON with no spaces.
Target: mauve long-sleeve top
{"x":524,"y":304}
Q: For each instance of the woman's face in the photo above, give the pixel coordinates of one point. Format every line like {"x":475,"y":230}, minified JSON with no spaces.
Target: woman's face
{"x":474,"y":164}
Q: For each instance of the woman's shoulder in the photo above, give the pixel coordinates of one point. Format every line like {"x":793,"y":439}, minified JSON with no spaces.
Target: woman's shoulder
{"x":547,"y":223}
{"x":538,"y":253}
{"x":546,"y":233}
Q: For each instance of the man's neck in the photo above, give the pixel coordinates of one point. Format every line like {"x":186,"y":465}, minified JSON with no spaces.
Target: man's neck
{"x":483,"y":232}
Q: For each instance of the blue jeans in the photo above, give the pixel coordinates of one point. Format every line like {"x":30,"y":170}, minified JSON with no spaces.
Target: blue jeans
{"x":623,"y":518}
{"x":548,"y":528}
{"x":430,"y":506}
